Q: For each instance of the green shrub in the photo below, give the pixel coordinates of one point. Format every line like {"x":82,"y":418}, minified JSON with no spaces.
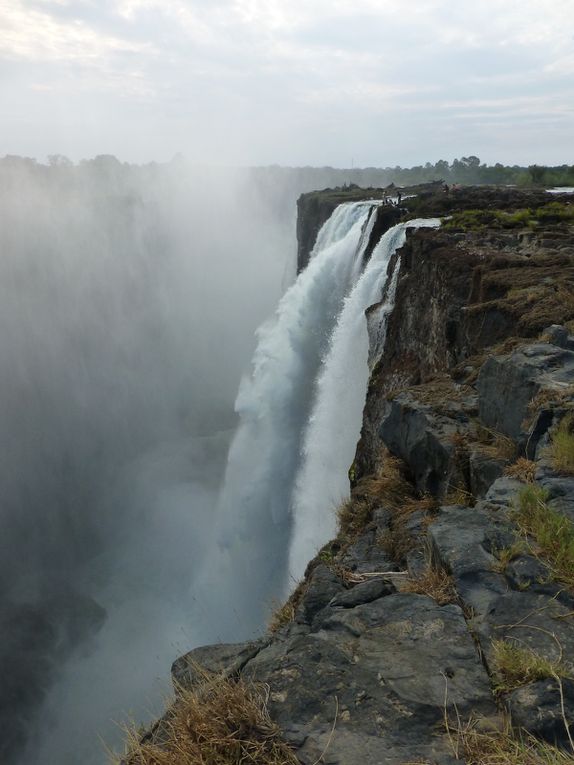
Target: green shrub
{"x":555,"y":212}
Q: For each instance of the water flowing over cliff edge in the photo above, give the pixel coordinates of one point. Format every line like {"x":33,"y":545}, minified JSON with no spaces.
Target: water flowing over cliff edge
{"x":455,"y":548}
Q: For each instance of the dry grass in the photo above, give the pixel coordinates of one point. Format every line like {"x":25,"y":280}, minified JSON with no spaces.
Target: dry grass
{"x":398,"y":542}
{"x":508,"y":345}
{"x":561,"y":449}
{"x":425,"y":504}
{"x":435,"y":583}
{"x":285,"y":613}
{"x":522,"y":470}
{"x":501,"y":747}
{"x":389,"y":488}
{"x":353,"y":515}
{"x":493,"y":444}
{"x":536,"y":293}
{"x":440,"y":394}
{"x":548,"y":398}
{"x":459,"y":495}
{"x":225,"y":722}
{"x":514,"y":665}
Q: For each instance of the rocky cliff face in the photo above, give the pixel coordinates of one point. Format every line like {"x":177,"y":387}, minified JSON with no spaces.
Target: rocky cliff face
{"x":449,"y":591}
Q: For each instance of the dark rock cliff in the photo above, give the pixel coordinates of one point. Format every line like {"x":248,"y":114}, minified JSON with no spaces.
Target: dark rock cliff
{"x":456,"y":548}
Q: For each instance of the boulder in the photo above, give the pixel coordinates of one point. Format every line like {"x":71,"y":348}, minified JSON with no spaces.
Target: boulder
{"x":425,"y":441}
{"x":507,"y":384}
{"x":536,"y":707}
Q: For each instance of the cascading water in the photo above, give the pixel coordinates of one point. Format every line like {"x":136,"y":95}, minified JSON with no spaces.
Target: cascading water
{"x":253,"y":521}
{"x":334,"y":427}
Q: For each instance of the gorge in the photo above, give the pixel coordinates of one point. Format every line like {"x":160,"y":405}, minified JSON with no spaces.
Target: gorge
{"x":394,"y":437}
{"x":455,"y":549}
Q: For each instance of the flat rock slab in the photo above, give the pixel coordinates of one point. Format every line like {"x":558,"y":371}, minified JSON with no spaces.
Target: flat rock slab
{"x":382,"y":670}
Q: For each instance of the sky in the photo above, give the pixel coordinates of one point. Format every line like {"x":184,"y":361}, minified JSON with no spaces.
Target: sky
{"x":292,"y":82}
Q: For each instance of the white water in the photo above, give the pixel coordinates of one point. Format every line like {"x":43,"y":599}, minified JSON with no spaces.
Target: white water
{"x":335,"y":424}
{"x":253,"y":523}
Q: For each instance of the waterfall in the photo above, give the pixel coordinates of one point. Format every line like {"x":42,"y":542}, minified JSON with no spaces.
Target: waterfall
{"x":253,"y":523}
{"x":334,"y":426}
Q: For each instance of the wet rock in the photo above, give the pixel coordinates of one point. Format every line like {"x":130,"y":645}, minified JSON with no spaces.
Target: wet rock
{"x":537,"y":708}
{"x":417,"y":563}
{"x":563,"y":505}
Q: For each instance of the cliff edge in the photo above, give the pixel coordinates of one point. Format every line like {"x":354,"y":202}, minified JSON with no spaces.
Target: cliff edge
{"x":438,"y":627}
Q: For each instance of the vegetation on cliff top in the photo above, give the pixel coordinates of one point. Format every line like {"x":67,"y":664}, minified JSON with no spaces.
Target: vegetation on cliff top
{"x":473,"y":220}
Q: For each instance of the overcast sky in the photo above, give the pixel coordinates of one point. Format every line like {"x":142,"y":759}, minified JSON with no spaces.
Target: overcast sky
{"x":339,"y":82}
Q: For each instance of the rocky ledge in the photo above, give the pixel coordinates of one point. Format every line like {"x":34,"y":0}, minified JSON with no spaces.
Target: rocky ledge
{"x":446,"y":603}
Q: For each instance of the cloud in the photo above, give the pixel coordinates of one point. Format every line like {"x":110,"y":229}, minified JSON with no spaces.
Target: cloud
{"x":34,"y":35}
{"x":188,"y":66}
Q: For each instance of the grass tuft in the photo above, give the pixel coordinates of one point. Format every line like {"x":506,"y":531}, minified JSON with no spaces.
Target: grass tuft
{"x":548,"y":398}
{"x":522,"y":470}
{"x":225,"y":722}
{"x":561,"y":447}
{"x":552,"y":532}
{"x":514,"y":666}
{"x":353,"y":516}
{"x":285,"y":613}
{"x":388,"y":489}
{"x":459,"y":495}
{"x":507,"y":554}
{"x":476,"y":747}
{"x":493,"y":444}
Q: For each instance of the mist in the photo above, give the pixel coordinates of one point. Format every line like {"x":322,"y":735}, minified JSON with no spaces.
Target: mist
{"x":129,"y":300}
